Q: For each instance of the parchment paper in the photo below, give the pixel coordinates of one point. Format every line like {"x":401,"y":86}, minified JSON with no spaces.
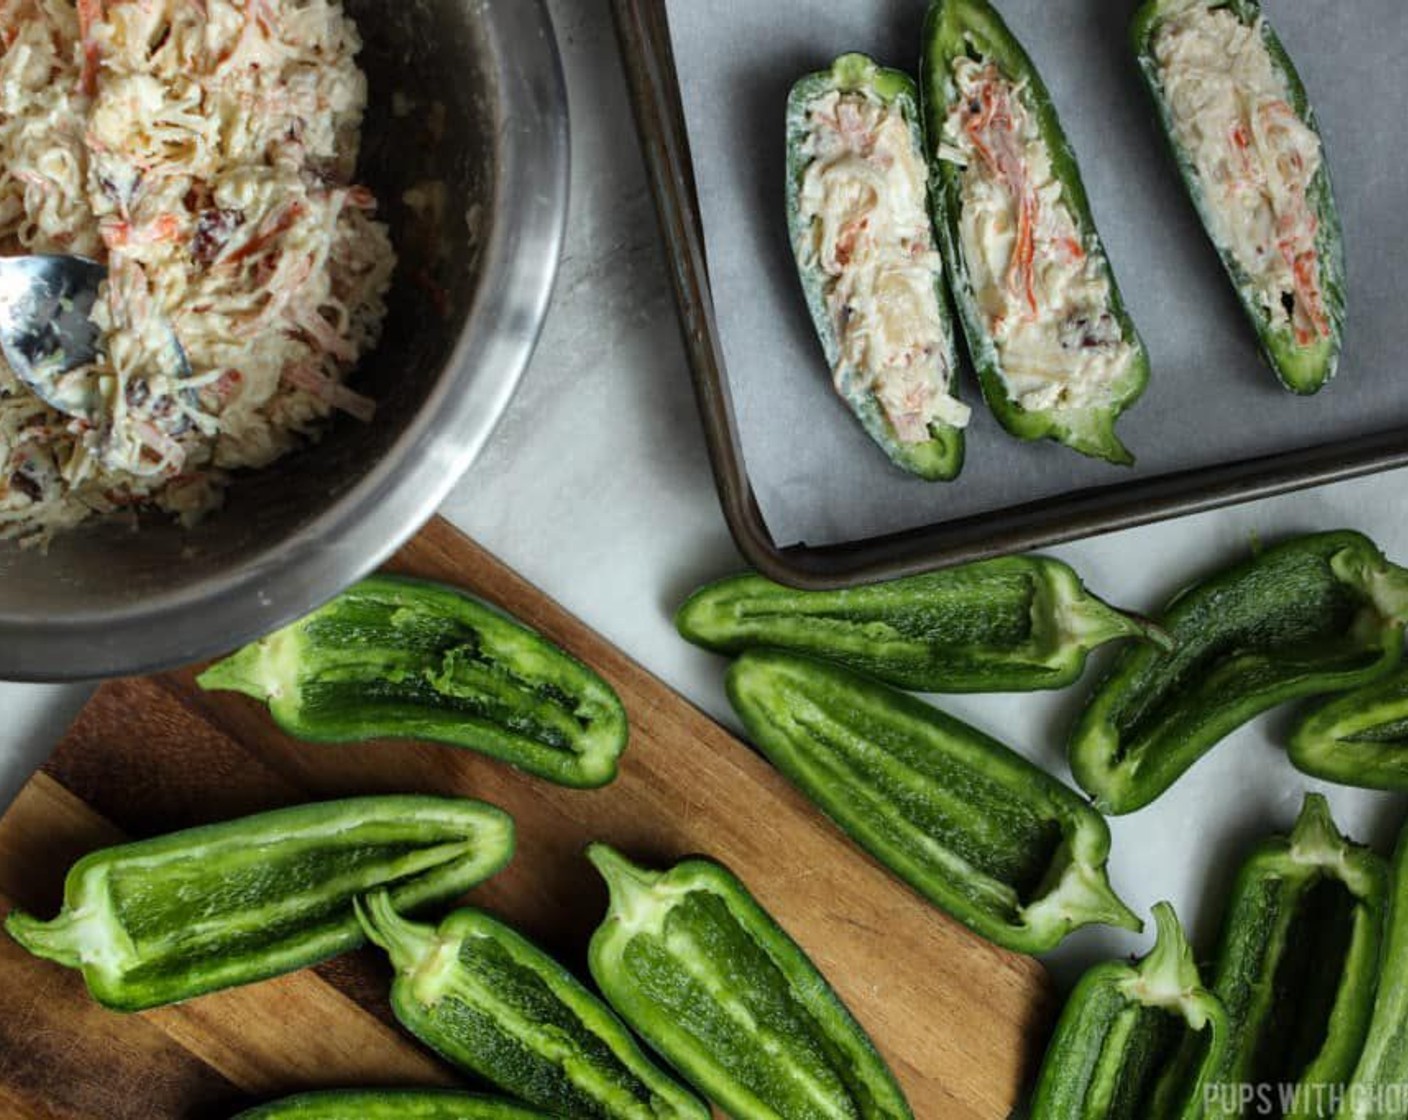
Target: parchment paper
{"x":818,"y":477}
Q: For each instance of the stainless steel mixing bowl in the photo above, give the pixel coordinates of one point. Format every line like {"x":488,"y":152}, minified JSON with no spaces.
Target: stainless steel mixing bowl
{"x":468,"y":93}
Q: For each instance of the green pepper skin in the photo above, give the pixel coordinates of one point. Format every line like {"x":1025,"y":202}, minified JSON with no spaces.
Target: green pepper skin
{"x":1359,"y":739}
{"x":1014,"y":624}
{"x":1380,"y":1077}
{"x":941,"y":456}
{"x":704,"y":974}
{"x":392,"y":1104}
{"x":968,"y":823}
{"x":1315,"y":614}
{"x":162,"y":920}
{"x":953,"y":28}
{"x":1297,"y":969}
{"x":1109,"y":1058}
{"x":406,"y":659}
{"x":1301,"y":369}
{"x":493,"y":1003}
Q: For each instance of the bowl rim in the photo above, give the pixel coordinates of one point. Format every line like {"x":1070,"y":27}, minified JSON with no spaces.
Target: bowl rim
{"x":397,"y":495}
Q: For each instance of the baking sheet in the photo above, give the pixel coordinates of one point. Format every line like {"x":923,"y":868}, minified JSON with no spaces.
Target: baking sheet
{"x":817,"y":477}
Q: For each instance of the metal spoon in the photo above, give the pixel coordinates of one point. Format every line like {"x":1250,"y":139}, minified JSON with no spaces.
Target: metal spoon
{"x":46,"y":331}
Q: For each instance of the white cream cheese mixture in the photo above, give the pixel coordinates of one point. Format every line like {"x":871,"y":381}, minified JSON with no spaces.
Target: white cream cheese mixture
{"x":204,"y":150}
{"x":1043,"y":291}
{"x":1254,"y":157}
{"x":864,"y":199}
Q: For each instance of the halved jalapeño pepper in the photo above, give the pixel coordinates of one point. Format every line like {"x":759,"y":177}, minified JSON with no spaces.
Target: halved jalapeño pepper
{"x":704,"y":974}
{"x":1008,"y":625}
{"x":970,"y":824}
{"x":870,"y":268}
{"x":1358,"y":739}
{"x":1296,"y":969}
{"x":159,"y":921}
{"x":1056,"y":353}
{"x":492,"y":1002}
{"x":1378,"y":1088}
{"x":1112,"y":1056}
{"x":1316,"y":614}
{"x":1248,"y":148}
{"x":392,"y":1104}
{"x":402,"y":658}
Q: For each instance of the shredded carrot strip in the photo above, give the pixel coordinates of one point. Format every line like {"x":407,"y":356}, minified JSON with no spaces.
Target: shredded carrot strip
{"x":115,"y":235}
{"x":1297,"y":227}
{"x":166,"y":228}
{"x":1004,"y":159}
{"x":260,"y":241}
{"x":90,"y":12}
{"x":119,"y":234}
{"x":1309,"y":301}
{"x":1025,"y":264}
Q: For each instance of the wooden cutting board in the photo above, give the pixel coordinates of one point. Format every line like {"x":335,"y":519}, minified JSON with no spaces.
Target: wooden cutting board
{"x":960,"y":1021}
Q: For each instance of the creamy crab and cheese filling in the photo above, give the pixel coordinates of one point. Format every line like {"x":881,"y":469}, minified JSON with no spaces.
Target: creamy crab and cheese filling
{"x":864,"y":202}
{"x":1254,"y":157}
{"x":1043,"y":291}
{"x":204,"y":151}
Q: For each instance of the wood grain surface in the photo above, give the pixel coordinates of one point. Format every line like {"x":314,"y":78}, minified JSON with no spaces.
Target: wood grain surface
{"x":960,"y":1021}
